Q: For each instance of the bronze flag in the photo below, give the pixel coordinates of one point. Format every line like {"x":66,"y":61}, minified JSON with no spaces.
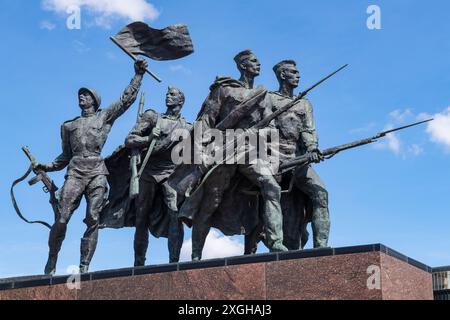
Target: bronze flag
{"x":173,"y":42}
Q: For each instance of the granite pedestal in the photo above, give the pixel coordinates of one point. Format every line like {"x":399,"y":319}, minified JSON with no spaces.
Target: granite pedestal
{"x":370,"y":272}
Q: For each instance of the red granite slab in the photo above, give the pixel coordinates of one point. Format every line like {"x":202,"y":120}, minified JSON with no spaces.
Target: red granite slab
{"x":402,"y":281}
{"x":56,"y":292}
{"x":322,"y":278}
{"x":233,"y":282}
{"x":332,"y":277}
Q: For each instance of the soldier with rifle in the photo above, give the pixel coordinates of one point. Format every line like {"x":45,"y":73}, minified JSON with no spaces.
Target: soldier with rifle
{"x":233,"y":104}
{"x":298,"y":136}
{"x":152,"y":136}
{"x":298,"y":149}
{"x":82,"y":142}
{"x":306,"y":197}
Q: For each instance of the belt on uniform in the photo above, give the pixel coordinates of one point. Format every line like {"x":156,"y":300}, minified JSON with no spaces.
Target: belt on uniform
{"x":87,"y":155}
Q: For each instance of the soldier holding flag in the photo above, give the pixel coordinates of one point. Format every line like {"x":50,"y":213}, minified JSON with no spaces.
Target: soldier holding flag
{"x":82,"y":142}
{"x":84,"y":137}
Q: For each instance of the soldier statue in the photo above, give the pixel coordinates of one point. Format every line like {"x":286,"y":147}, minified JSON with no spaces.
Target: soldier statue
{"x":227,"y":96}
{"x":82,"y":141}
{"x":298,"y":137}
{"x":153,"y":125}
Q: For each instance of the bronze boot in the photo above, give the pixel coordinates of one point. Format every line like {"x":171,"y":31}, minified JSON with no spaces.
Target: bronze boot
{"x":87,"y":250}
{"x":50,"y":267}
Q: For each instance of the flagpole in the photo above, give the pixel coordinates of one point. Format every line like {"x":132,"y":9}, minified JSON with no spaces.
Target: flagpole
{"x":132,"y":56}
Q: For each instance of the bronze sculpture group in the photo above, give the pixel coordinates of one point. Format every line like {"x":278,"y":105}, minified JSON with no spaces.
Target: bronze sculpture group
{"x":141,"y":186}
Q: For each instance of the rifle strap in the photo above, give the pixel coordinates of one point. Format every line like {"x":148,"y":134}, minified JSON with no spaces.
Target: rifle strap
{"x":150,"y":148}
{"x":14,"y":202}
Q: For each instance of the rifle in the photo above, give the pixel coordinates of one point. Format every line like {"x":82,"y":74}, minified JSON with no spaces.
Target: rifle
{"x":136,"y":156}
{"x":41,"y":176}
{"x":331,"y":152}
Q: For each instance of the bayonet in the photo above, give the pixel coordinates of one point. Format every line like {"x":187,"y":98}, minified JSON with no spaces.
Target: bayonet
{"x":331,"y":152}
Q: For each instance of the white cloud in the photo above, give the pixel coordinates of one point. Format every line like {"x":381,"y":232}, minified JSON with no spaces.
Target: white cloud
{"x":216,"y":246}
{"x":111,"y":56}
{"x":104,"y":11}
{"x":392,"y":141}
{"x":180,"y":68}
{"x":47,"y":25}
{"x":400,"y":117}
{"x":415,"y":149}
{"x":439,"y":129}
{"x":369,"y":127}
{"x":80,"y":47}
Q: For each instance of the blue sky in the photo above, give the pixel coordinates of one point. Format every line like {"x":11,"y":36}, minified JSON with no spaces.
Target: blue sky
{"x":395,"y":193}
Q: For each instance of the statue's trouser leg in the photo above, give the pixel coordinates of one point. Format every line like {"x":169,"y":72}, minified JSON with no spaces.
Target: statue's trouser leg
{"x":261,"y":176}
{"x":176,"y":236}
{"x":252,"y":239}
{"x":201,"y":226}
{"x":215,"y":187}
{"x":69,"y":201}
{"x":309,"y":182}
{"x":95,"y":200}
{"x":144,"y":202}
{"x":176,"y":227}
{"x":294,"y":206}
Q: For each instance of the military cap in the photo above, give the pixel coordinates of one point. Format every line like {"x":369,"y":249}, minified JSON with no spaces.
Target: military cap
{"x":94,"y":94}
